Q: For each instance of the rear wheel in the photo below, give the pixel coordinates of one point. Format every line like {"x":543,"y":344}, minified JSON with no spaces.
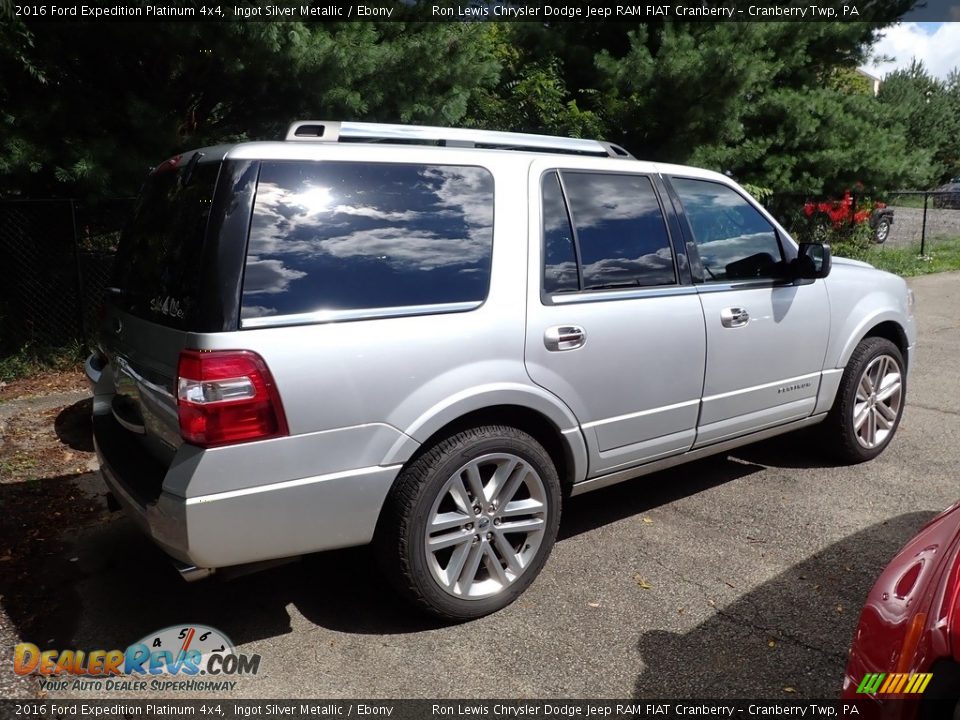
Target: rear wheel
{"x":869,"y":403}
{"x":471,"y":522}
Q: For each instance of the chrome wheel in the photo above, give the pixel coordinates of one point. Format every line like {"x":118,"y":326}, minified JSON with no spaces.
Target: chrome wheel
{"x":883,"y":231}
{"x":878,"y":401}
{"x":486,"y":526}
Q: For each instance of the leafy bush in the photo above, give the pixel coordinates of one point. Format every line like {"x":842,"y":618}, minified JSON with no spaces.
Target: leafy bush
{"x":842,"y":224}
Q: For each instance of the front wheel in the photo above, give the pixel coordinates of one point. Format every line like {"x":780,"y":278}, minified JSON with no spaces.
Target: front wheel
{"x":471,"y":522}
{"x":869,"y":403}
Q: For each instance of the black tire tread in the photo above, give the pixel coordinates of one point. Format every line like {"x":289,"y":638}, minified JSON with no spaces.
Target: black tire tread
{"x":393,"y":530}
{"x":842,"y":443}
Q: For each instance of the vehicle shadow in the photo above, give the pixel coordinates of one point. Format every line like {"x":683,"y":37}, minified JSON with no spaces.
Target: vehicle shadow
{"x":774,"y":635}
{"x":801,"y":449}
{"x":73,"y":426}
{"x":608,"y":505}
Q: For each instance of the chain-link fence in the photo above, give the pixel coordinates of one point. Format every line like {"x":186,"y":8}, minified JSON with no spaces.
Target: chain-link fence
{"x":56,"y":258}
{"x":916,"y":219}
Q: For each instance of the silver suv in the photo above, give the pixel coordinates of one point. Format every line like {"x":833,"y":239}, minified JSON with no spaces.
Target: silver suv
{"x":429,"y":338}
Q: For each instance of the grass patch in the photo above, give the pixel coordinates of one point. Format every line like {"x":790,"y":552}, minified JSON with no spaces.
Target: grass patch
{"x":17,"y":465}
{"x":942,"y":255}
{"x":30,"y":360}
{"x":908,"y":201}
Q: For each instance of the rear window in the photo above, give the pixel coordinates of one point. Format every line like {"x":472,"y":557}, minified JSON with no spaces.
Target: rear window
{"x":341,"y":237}
{"x":158,"y":268}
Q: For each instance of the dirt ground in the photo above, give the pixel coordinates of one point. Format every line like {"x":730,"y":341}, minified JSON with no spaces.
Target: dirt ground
{"x":46,"y":453}
{"x":45,"y":383}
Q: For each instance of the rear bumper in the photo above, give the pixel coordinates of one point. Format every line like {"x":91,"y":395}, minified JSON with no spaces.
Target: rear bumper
{"x":235,"y":527}
{"x":92,"y":368}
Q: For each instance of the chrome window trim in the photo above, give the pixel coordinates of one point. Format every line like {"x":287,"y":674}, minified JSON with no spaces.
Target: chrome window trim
{"x":608,"y":295}
{"x":327,"y":316}
{"x":711,"y":286}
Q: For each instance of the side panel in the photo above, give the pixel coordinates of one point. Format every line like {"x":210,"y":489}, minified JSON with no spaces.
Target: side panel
{"x":860,"y":299}
{"x":635,"y":382}
{"x":768,"y":369}
{"x":635,"y":385}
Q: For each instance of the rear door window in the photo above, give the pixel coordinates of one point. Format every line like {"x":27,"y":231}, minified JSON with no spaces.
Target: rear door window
{"x":345,"y":236}
{"x":619,"y":233}
{"x":158,"y":267}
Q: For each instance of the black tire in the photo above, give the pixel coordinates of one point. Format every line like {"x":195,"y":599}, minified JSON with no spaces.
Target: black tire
{"x":400,"y":542}
{"x":839,"y":428}
{"x":882,"y":231}
{"x":941,"y":699}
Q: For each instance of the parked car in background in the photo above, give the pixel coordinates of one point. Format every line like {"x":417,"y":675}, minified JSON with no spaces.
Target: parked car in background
{"x":951,"y":201}
{"x":429,"y":338}
{"x":910,"y":626}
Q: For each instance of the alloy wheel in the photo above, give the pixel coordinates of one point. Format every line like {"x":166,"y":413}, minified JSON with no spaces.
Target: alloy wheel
{"x":878,"y":402}
{"x":486,"y":526}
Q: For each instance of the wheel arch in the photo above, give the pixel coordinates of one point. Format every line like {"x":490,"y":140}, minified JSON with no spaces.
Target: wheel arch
{"x":887,"y":325}
{"x":566,"y":446}
{"x":892,"y":331}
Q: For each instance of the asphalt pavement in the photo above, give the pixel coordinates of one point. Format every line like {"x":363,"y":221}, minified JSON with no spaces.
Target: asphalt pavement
{"x":736,"y":576}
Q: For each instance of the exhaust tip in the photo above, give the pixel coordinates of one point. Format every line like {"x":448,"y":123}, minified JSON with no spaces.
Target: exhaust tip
{"x":192,"y":573}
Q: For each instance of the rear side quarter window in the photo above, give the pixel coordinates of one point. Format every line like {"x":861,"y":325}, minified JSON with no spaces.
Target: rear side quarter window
{"x":159,"y":266}
{"x":348,"y":236}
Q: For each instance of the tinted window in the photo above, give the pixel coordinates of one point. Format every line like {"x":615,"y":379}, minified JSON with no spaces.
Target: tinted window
{"x":158,"y":267}
{"x":620,"y":229}
{"x":335,"y":236}
{"x":559,"y":256}
{"x":735,"y":241}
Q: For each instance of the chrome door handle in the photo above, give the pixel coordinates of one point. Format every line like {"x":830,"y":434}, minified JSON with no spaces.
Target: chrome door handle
{"x":564,"y":337}
{"x":734,"y":317}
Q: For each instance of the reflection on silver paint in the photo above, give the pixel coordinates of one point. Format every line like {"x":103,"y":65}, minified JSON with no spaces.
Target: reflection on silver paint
{"x":657,"y":374}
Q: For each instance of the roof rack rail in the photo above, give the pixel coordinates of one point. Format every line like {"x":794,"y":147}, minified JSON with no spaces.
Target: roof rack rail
{"x":335,"y":131}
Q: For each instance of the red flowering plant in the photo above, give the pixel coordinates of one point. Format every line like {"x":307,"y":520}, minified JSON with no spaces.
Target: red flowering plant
{"x":843,"y":223}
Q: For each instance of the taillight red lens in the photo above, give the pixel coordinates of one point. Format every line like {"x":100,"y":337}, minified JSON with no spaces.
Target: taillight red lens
{"x":227,"y":396}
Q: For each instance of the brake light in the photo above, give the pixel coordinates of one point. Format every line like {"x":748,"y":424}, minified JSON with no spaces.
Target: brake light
{"x":227,"y":396}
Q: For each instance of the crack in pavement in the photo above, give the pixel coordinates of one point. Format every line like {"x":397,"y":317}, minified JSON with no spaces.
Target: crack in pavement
{"x":934,"y":409}
{"x":746,"y":622}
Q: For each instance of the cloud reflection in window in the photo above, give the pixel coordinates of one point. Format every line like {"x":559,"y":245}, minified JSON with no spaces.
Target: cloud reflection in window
{"x":621,"y":230}
{"x":336,"y":235}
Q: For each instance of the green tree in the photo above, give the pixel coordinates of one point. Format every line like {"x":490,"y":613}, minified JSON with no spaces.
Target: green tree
{"x":928,"y":112}
{"x":87,"y":107}
{"x":761,"y":100}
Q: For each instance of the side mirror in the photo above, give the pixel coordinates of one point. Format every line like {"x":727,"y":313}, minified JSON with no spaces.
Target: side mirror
{"x":813,"y":261}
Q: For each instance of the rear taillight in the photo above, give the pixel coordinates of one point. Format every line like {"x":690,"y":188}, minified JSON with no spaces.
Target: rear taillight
{"x":227,"y":396}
